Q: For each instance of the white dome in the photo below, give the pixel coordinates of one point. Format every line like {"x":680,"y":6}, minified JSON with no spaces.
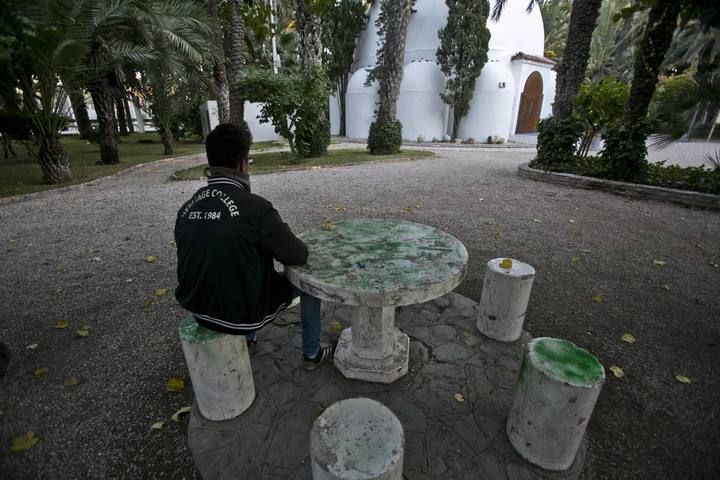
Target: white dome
{"x":420,"y":108}
{"x":422,"y":36}
{"x":517,"y":30}
{"x":491,"y":106}
{"x":367,"y":45}
{"x":360,"y":103}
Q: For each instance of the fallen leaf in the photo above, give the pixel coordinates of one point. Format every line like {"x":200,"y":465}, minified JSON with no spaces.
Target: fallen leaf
{"x":617,"y":371}
{"x":575,"y":259}
{"x":61,"y":324}
{"x":628,"y":338}
{"x":25,"y":442}
{"x":459,"y":397}
{"x":160,"y":292}
{"x":57,"y":291}
{"x":682,"y":379}
{"x":713,"y":264}
{"x":96,"y":259}
{"x":39,"y":372}
{"x":328,"y":226}
{"x":597,"y":299}
{"x":666,"y":286}
{"x":83,"y":331}
{"x":12,"y":241}
{"x":182,"y":411}
{"x":497,"y":235}
{"x":316,"y":167}
{"x":700,"y":246}
{"x":151,"y":259}
{"x":32,"y":346}
{"x":340,"y":209}
{"x":506,"y":264}
{"x":157,"y":425}
{"x":175,"y":384}
{"x":466,"y":334}
{"x":537,"y":220}
{"x":659,"y":263}
{"x":336,"y":326}
{"x":407,"y":209}
{"x":571,"y":221}
{"x":417,"y":206}
{"x":71,"y":382}
{"x":129,"y":280}
{"x":147,"y":303}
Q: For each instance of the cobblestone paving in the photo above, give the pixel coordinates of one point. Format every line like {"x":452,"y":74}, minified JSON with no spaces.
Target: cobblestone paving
{"x":444,"y":438}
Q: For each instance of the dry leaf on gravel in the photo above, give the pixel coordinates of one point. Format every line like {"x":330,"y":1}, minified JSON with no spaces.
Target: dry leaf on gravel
{"x":61,"y":324}
{"x":83,"y":331}
{"x":497,"y":235}
{"x":659,"y":263}
{"x":537,"y":220}
{"x":25,"y":442}
{"x":617,"y":371}
{"x":682,"y":379}
{"x":175,"y":384}
{"x":459,"y":397}
{"x":160,"y":292}
{"x":597,"y":299}
{"x":39,"y":372}
{"x":96,"y":259}
{"x":151,"y":259}
{"x":157,"y":425}
{"x":575,"y":259}
{"x":666,"y":287}
{"x":182,"y":411}
{"x":328,"y":226}
{"x":713,"y":264}
{"x":71,"y":382}
{"x":628,"y":338}
{"x":32,"y":346}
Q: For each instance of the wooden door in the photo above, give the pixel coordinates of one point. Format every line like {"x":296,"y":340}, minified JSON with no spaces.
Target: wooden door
{"x":530,"y":104}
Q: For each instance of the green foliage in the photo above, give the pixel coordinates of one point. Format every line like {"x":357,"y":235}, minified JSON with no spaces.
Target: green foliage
{"x":385,"y":138}
{"x":625,"y":154}
{"x":698,"y":179}
{"x":288,"y":99}
{"x":556,"y":143}
{"x":341,"y":26}
{"x":556,"y":19}
{"x":463,"y":52}
{"x":598,"y":105}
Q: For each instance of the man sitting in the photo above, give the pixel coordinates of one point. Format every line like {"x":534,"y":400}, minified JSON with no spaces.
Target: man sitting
{"x":226,"y":241}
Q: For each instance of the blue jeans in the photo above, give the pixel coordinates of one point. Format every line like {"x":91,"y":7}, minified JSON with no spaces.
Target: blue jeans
{"x":310,"y":318}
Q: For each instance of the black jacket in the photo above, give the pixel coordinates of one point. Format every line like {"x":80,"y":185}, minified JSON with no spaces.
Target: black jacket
{"x":226,"y":240}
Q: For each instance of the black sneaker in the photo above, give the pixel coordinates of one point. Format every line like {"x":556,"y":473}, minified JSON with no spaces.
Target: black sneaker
{"x":252,"y":347}
{"x":325,"y":353}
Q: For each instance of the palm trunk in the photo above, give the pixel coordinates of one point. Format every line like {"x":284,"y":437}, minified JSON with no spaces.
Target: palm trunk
{"x":309,"y":31}
{"x":103,"y":100}
{"x":220,"y":81}
{"x":237,"y":61}
{"x":167,"y":139}
{"x":396,"y":25}
{"x":121,"y":119}
{"x":341,"y":96}
{"x":77,"y":102}
{"x":54,"y":162}
{"x":571,"y":71}
{"x":128,"y":116}
{"x":662,"y":21}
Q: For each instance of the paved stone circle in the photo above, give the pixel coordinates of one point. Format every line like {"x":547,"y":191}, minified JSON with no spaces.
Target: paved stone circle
{"x":452,"y":404}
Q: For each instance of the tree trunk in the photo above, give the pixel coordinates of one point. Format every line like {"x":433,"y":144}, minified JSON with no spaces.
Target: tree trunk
{"x":237,"y":61}
{"x":456,"y":123}
{"x":121,"y":119}
{"x":103,"y":100}
{"x":571,"y":71}
{"x":396,"y":25}
{"x":77,"y":102}
{"x":655,"y":42}
{"x":309,"y":31}
{"x":220,"y":81}
{"x":167,"y":139}
{"x":54,"y":162}
{"x":128,"y":116}
{"x":341,"y":95}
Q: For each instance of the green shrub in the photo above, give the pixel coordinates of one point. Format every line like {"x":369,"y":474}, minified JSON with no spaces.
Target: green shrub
{"x":598,"y":105}
{"x":556,"y":144}
{"x":625,"y":153}
{"x":312,"y":130}
{"x":385,"y":138}
{"x":698,"y":179}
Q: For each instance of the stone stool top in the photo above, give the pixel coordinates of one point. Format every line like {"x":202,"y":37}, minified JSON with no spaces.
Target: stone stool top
{"x":379,"y":263}
{"x":357,"y":439}
{"x":517,"y":268}
{"x":565,"y":362}
{"x":193,"y":332}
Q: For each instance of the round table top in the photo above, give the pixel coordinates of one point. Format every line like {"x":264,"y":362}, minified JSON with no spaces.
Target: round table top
{"x":379,"y":263}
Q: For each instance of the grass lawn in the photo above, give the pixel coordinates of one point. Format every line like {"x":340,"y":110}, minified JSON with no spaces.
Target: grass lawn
{"x":22,"y":174}
{"x":279,"y":161}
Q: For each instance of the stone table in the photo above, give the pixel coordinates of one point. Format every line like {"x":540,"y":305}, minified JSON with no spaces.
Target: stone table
{"x":374,"y":266}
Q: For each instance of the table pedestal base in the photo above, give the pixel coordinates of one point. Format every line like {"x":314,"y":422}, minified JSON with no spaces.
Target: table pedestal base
{"x":379,"y":370}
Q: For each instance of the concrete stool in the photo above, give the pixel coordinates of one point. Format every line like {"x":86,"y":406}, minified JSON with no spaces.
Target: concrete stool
{"x":357,"y":439}
{"x":504,"y":300}
{"x":555,"y":395}
{"x":220,"y":371}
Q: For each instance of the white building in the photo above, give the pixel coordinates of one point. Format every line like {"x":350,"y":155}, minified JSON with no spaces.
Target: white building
{"x":515,"y":88}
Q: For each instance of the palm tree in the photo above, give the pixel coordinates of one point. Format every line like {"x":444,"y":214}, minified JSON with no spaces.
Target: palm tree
{"x":309,"y":31}
{"x":220,"y":82}
{"x":385,"y":134}
{"x":237,"y":62}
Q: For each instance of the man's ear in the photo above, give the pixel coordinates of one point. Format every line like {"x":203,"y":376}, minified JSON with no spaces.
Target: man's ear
{"x":244,"y":166}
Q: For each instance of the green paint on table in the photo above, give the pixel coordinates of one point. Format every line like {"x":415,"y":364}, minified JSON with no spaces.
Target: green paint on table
{"x":566,"y":362}
{"x":381,"y":255}
{"x":192,"y":332}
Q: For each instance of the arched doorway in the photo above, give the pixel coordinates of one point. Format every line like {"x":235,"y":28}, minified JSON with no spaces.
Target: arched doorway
{"x":530,"y":104}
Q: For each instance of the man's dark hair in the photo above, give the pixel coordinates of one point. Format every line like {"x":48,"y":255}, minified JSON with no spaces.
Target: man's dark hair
{"x":228,"y":145}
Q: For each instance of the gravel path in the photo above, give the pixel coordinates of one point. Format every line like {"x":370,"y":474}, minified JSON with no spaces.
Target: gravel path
{"x":81,"y":255}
